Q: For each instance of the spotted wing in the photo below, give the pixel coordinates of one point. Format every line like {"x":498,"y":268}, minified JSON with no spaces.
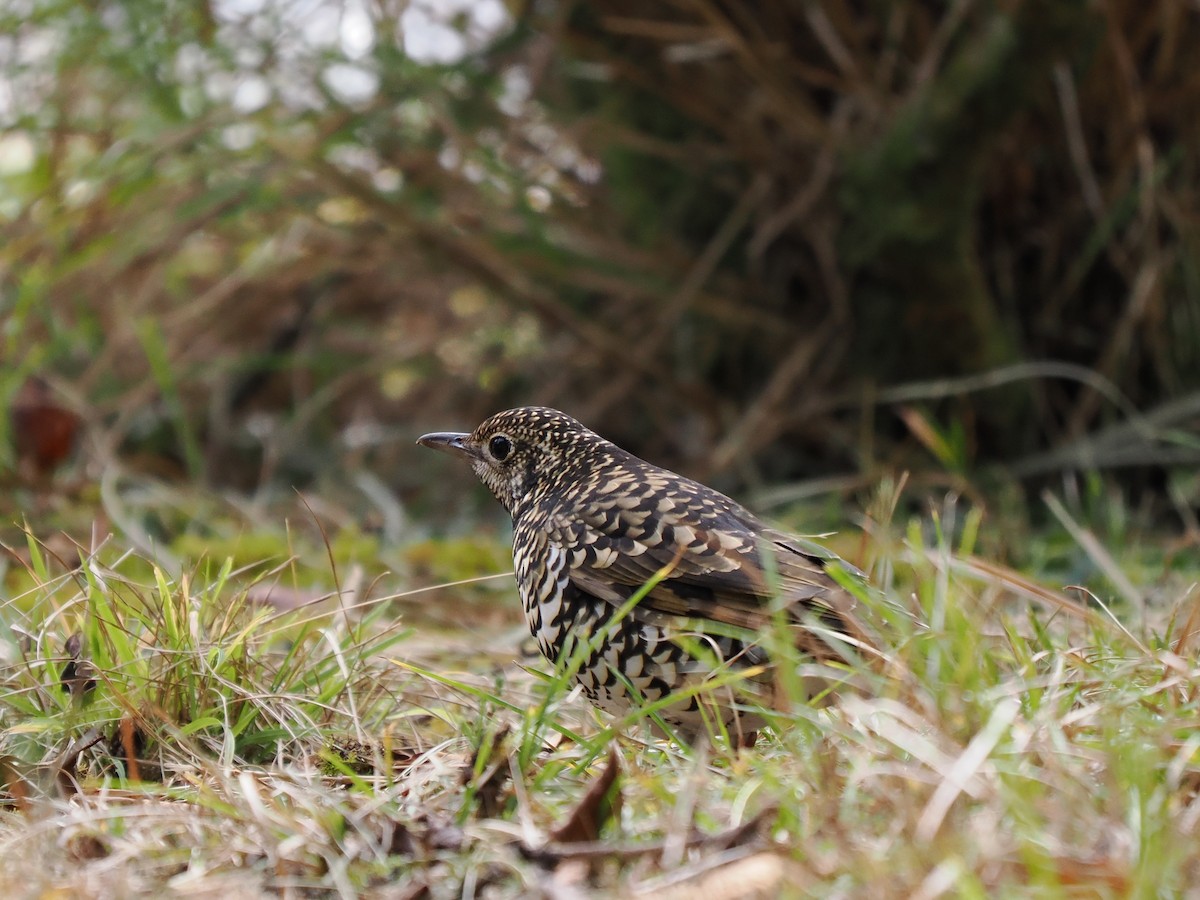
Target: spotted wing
{"x":720,"y":563}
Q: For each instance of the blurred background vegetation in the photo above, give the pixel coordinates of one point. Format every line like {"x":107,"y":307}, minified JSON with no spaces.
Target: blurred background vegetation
{"x":786,"y":247}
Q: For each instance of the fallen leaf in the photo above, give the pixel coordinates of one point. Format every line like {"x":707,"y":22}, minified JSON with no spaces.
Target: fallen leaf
{"x":601,"y":803}
{"x":420,"y":838}
{"x":129,"y":741}
{"x":65,"y":773}
{"x":398,"y":839}
{"x":1097,"y":872}
{"x":14,"y":789}
{"x":554,"y":854}
{"x":82,"y":846}
{"x":44,"y":431}
{"x":78,"y":677}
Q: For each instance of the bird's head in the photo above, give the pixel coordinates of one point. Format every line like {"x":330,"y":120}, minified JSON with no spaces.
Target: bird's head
{"x":518,"y":452}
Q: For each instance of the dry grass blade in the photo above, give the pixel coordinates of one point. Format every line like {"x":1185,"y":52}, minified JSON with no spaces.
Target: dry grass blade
{"x":759,"y":876}
{"x":761,"y":423}
{"x":1191,"y":626}
{"x":955,"y":779}
{"x":1026,"y":587}
{"x":1097,"y":553}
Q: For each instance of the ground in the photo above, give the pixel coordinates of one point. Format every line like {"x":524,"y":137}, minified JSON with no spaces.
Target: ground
{"x":226,"y":722}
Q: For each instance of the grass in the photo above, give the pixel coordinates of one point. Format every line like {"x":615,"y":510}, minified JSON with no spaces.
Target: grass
{"x":211,"y":737}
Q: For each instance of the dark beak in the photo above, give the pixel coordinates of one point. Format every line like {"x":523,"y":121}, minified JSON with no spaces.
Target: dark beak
{"x":448,"y":442}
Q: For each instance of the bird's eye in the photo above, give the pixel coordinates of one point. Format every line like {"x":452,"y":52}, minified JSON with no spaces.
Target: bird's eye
{"x":499,"y":447}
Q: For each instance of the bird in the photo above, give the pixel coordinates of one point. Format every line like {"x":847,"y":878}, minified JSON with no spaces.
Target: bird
{"x":699,"y":579}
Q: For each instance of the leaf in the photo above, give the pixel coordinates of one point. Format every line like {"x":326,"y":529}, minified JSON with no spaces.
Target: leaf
{"x":65,"y":773}
{"x":601,"y":803}
{"x":78,"y":676}
{"x":129,"y":741}
{"x":44,"y":432}
{"x":931,"y":439}
{"x":84,"y":846}
{"x":14,"y":789}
